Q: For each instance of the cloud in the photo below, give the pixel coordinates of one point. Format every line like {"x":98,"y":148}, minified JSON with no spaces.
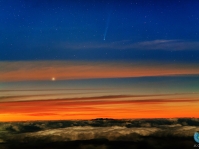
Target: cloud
{"x":159,"y":44}
{"x":40,"y":95}
{"x":152,"y":45}
{"x":143,"y":98}
{"x":100,"y":133}
{"x":112,"y":130}
{"x":116,"y":106}
{"x":67,"y":70}
{"x":88,"y":133}
{"x":171,"y":45}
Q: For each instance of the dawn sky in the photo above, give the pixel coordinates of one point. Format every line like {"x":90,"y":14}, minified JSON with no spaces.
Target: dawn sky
{"x":89,"y":59}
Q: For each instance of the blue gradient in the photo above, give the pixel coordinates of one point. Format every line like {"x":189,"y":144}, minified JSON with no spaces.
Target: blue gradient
{"x":40,"y":30}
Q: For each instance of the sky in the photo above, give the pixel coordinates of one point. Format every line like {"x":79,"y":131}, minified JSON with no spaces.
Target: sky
{"x":90,"y":59}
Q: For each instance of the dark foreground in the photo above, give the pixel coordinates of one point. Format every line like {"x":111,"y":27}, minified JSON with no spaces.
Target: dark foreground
{"x":148,"y":142}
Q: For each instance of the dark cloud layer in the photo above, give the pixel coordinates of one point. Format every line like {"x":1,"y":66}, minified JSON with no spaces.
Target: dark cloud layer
{"x":99,"y":133}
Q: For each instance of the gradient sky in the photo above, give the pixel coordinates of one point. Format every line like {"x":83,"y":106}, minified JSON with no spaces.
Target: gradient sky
{"x":89,"y":59}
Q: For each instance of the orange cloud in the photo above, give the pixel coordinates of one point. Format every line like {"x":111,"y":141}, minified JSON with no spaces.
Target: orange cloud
{"x":63,"y":70}
{"x":87,"y":108}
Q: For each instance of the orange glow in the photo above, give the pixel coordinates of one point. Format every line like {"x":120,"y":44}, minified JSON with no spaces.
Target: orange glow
{"x":63,"y":70}
{"x":59,"y":100}
{"x":126,"y":107}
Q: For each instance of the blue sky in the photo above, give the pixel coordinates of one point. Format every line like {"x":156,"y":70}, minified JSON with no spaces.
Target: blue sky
{"x":74,"y":30}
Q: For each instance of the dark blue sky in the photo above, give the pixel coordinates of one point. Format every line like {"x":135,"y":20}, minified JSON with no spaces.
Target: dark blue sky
{"x":74,"y":30}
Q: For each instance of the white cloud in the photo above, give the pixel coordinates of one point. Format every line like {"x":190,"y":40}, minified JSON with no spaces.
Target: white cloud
{"x":159,"y":44}
{"x":88,"y":132}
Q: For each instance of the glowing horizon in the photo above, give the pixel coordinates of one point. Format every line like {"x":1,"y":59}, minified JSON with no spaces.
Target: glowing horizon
{"x":118,"y":98}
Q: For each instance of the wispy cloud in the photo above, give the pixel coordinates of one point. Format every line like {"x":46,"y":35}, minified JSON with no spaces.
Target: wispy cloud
{"x":167,"y":45}
{"x":159,"y":44}
{"x":54,"y":97}
{"x":66,"y":70}
{"x":116,"y":106}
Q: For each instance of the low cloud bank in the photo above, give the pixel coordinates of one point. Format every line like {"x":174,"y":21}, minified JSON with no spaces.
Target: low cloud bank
{"x":104,"y":131}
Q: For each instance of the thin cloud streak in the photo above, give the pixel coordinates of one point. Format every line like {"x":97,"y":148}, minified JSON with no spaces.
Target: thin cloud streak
{"x":58,"y":104}
{"x":68,"y":70}
{"x":122,"y":101}
{"x":121,"y":107}
{"x":159,"y":44}
{"x":24,"y":98}
{"x":29,"y":97}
